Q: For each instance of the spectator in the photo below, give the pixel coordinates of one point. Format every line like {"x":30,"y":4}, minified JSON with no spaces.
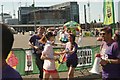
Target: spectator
{"x":96,"y":33}
{"x":110,"y":54}
{"x":38,"y":46}
{"x":116,"y":37}
{"x":23,"y":32}
{"x":80,"y":38}
{"x":64,"y":36}
{"x":8,"y":73}
{"x":55,"y":32}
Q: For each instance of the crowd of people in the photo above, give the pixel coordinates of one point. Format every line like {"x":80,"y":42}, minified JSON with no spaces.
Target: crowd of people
{"x":110,"y":51}
{"x":45,"y":57}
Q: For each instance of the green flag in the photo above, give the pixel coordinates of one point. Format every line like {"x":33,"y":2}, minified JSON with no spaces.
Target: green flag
{"x":108,"y":10}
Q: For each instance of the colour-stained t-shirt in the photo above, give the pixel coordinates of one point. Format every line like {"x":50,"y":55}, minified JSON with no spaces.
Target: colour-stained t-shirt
{"x":110,"y":51}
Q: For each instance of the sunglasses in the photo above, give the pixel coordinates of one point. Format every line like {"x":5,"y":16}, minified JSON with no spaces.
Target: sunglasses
{"x":102,"y":33}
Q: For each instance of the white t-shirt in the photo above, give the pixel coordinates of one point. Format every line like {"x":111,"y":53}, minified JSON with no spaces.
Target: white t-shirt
{"x":48,"y":51}
{"x":80,"y":38}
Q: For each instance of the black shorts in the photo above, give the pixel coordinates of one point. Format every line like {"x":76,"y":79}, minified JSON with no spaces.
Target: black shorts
{"x":72,"y":63}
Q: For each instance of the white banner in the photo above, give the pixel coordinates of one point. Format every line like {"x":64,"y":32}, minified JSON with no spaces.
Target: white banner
{"x":28,"y":61}
{"x":84,"y":57}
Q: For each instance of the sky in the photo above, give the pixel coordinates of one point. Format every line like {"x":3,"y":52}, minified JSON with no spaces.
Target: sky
{"x":96,"y":7}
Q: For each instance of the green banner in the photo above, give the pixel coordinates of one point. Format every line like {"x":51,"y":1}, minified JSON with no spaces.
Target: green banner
{"x":85,"y":55}
{"x":108,"y":11}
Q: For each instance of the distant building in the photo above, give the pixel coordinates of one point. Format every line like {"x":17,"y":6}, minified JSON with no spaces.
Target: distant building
{"x":5,"y":16}
{"x":56,"y":14}
{"x":23,"y":12}
{"x":11,"y":21}
{"x":119,"y":11}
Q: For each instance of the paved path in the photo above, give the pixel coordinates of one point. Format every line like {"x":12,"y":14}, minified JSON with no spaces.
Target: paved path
{"x":63,"y":76}
{"x":21,"y":41}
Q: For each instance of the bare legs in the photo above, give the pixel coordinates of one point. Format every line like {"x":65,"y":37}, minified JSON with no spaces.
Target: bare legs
{"x":71,"y":72}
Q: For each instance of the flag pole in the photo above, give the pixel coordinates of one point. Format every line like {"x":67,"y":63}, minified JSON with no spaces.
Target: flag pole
{"x":34,"y":15}
{"x":2,"y":14}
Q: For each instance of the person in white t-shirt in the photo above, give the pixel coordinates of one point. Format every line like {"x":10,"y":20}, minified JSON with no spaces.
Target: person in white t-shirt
{"x":80,"y":39}
{"x":64,"y":37}
{"x":49,"y":59}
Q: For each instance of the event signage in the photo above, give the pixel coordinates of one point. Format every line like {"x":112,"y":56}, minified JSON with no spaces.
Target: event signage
{"x":84,"y":57}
